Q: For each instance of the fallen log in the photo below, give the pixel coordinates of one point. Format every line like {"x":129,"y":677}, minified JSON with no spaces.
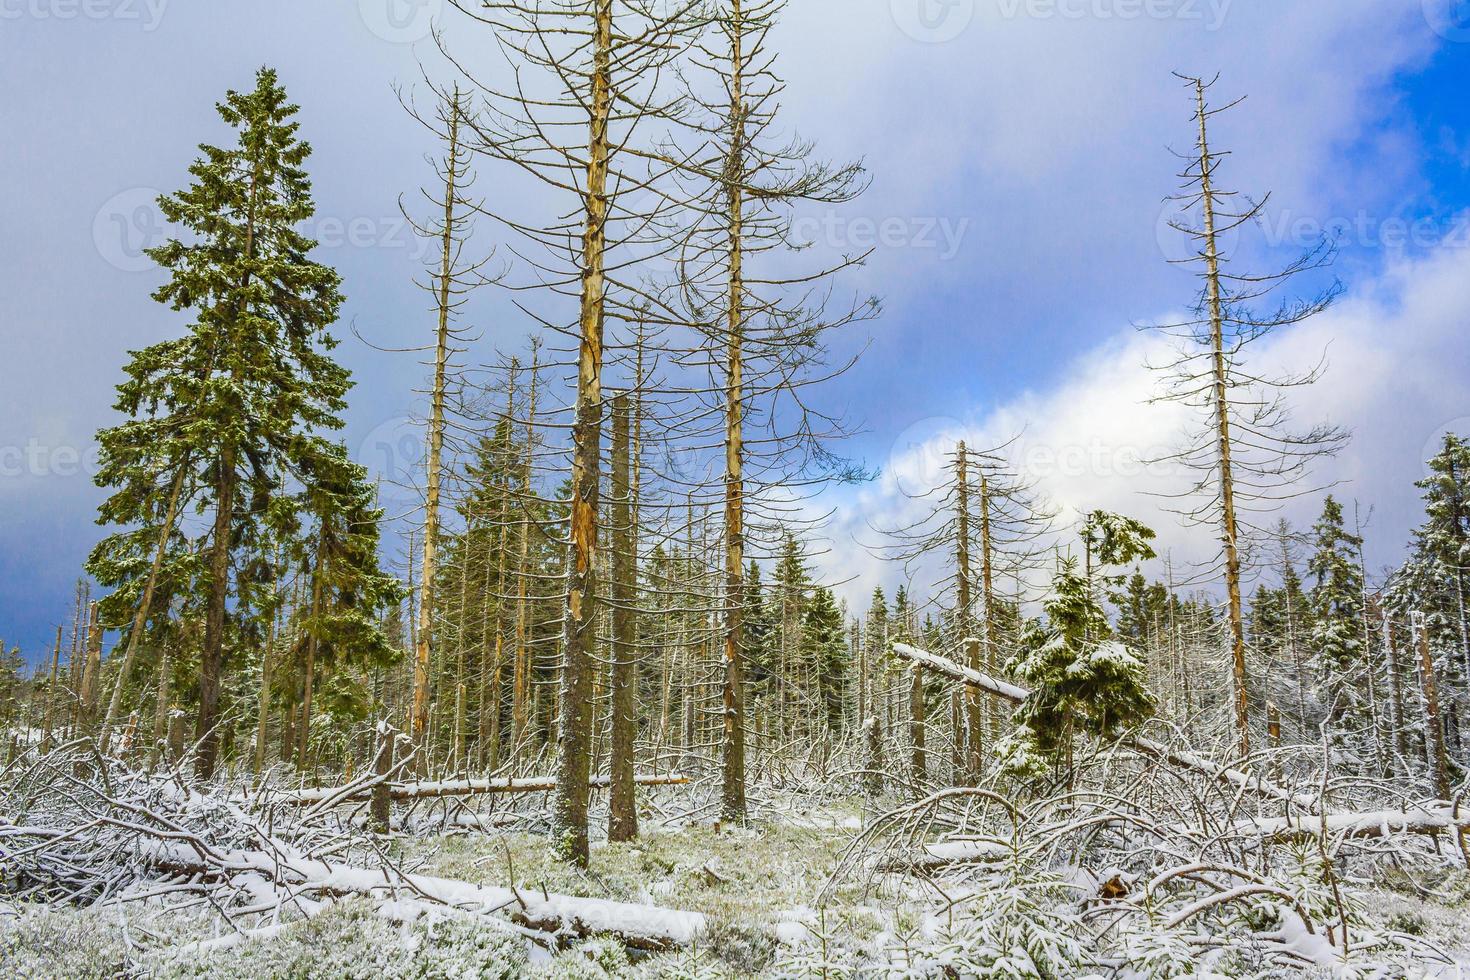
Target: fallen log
{"x":456,"y":787}
{"x":1431,"y":819}
{"x":944,"y":854}
{"x":644,"y":927}
{"x":1010,"y":692}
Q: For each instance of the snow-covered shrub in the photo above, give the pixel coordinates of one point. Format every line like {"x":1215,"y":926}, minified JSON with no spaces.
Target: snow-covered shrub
{"x":1023,"y":930}
{"x":694,"y":963}
{"x":1158,"y":954}
{"x":352,"y":942}
{"x":746,"y":948}
{"x":39,"y":943}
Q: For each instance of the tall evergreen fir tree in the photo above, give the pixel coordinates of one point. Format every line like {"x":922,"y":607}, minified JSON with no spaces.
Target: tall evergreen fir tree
{"x":241,"y":400}
{"x":824,"y":646}
{"x":1444,"y":538}
{"x":1083,"y":680}
{"x":343,"y":630}
{"x":1337,"y":607}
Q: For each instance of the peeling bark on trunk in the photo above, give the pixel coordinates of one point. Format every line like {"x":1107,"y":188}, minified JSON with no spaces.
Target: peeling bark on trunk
{"x":570,"y":805}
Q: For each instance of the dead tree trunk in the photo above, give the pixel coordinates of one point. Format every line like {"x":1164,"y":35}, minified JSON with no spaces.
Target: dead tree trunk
{"x":1228,"y":526}
{"x":623,"y":804}
{"x":917,"y":709}
{"x":570,"y":804}
{"x":424,"y":641}
{"x":973,"y":716}
{"x":1433,"y":726}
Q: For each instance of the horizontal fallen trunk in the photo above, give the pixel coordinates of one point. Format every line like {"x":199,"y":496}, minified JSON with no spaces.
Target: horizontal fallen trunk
{"x":965,"y":675}
{"x":1432,"y":819}
{"x":644,"y":927}
{"x":453,"y":787}
{"x":944,"y":854}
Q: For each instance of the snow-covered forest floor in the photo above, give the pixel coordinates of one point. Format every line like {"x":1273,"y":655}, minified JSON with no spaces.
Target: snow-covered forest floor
{"x":1136,"y":869}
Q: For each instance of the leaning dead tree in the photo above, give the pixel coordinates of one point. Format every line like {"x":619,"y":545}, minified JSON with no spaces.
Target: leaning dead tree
{"x":989,"y":519}
{"x":1245,"y":458}
{"x":1016,"y":695}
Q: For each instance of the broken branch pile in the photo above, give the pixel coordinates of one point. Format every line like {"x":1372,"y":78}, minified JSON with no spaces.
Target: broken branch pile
{"x":78,"y":828}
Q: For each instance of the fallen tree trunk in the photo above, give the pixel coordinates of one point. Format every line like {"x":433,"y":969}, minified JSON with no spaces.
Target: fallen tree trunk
{"x":944,"y":854}
{"x":948,"y":668}
{"x":644,"y":927}
{"x":455,"y":787}
{"x":1374,"y":824}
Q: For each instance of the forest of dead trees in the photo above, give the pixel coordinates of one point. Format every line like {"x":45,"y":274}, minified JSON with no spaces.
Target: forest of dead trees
{"x":610,"y":574}
{"x":612,"y":566}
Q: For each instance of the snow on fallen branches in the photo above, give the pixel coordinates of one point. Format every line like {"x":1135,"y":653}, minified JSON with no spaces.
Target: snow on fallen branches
{"x":423,"y":790}
{"x":965,"y":675}
{"x":80,"y":829}
{"x":1139,"y":867}
{"x":640,"y":926}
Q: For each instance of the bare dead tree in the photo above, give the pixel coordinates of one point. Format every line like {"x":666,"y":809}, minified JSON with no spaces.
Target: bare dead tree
{"x":1244,"y":457}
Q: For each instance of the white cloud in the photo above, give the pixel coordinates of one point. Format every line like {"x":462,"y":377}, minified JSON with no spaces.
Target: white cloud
{"x":1398,"y":360}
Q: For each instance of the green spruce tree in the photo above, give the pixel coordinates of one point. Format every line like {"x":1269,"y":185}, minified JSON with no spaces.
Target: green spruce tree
{"x":240,"y":402}
{"x":1337,"y":612}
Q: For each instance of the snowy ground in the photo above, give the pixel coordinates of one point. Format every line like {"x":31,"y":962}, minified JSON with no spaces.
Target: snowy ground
{"x":758,"y":889}
{"x":1135,"y":867}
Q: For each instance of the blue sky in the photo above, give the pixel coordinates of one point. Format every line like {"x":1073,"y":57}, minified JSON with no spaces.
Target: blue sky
{"x":1019,"y":155}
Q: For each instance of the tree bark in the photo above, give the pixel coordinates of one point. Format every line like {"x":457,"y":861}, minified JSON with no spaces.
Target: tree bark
{"x":732,"y":787}
{"x":569,"y":808}
{"x":917,"y":709}
{"x":145,"y":604}
{"x":424,"y":642}
{"x":521,"y":671}
{"x":975,"y":762}
{"x":623,"y":805}
{"x":1228,"y":526}
{"x":308,"y":677}
{"x":1433,"y":726}
{"x":211,"y":661}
